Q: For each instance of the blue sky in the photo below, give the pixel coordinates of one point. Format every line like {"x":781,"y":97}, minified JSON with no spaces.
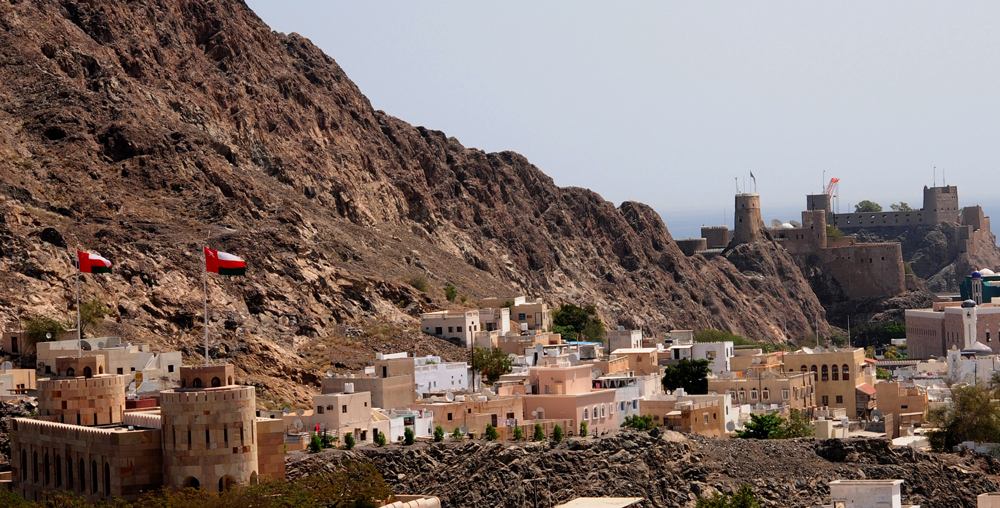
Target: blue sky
{"x":668,"y":103}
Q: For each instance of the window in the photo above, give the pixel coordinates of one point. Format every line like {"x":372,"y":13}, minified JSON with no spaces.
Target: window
{"x":449,"y":417}
{"x":121,"y":370}
{"x":710,"y":355}
{"x":815,"y":375}
{"x":170,"y":368}
{"x":586,"y":414}
{"x":635,"y":403}
{"x":765,"y":395}
{"x":743,"y":395}
{"x":825,"y":374}
{"x":904,"y":406}
{"x":458,"y":329}
{"x":225,"y":434}
{"x":846,"y":371}
{"x":594,"y":412}
{"x":834,"y":373}
{"x":438,"y":330}
{"x":603,"y":411}
{"x":319,"y":410}
{"x":826,"y":400}
{"x":521,"y":316}
{"x":706,"y":418}
{"x":753,"y":394}
{"x":451,"y":329}
{"x":784,"y":394}
{"x":840,"y":399}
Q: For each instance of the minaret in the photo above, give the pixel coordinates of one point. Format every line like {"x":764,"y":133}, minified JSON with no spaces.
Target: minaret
{"x":977,"y":287}
{"x":969,"y":320}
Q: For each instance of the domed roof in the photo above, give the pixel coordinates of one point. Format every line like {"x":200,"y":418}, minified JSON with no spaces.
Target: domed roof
{"x":986,"y":272}
{"x":968,"y":303}
{"x":978,"y":348}
{"x":977,"y":275}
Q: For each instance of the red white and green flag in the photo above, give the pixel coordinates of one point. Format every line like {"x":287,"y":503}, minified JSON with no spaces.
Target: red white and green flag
{"x":224,"y":263}
{"x":93,"y":263}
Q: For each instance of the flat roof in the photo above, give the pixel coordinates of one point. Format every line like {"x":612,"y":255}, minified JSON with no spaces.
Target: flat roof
{"x":633,"y":350}
{"x":601,"y":502}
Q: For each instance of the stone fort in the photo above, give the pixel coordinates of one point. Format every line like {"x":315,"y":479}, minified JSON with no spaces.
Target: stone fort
{"x":862,"y":269}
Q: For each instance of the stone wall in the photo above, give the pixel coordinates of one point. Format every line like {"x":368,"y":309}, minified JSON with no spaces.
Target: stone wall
{"x":113,"y":462}
{"x":271,"y":448}
{"x":867,"y":270}
{"x":98,"y":400}
{"x":749,"y":225}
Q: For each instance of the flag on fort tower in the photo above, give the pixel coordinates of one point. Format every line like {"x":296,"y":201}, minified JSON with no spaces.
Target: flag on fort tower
{"x":92,"y":263}
{"x":224,"y":263}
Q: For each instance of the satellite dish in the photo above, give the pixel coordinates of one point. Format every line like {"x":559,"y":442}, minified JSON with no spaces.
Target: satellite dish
{"x":795,"y":223}
{"x":286,"y":411}
{"x":434,"y":399}
{"x":6,"y":366}
{"x":298,"y":424}
{"x":300,"y":412}
{"x":534,"y":414}
{"x":512,"y":356}
{"x":463,"y":430}
{"x":100,"y":345}
{"x":48,"y":335}
{"x":329,"y":373}
{"x":450,"y":397}
{"x":775,"y":223}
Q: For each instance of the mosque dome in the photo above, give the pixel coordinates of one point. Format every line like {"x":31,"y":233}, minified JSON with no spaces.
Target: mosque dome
{"x":986,"y":272}
{"x":977,"y":275}
{"x":968,"y":303}
{"x":978,"y":348}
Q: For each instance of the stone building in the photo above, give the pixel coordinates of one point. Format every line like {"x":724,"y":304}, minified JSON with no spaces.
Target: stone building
{"x":796,"y":390}
{"x":843,"y":378}
{"x":906,"y":405}
{"x":931,"y":333}
{"x":205,"y":435}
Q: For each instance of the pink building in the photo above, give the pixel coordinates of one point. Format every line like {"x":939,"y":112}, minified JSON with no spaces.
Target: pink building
{"x":951,"y":325}
{"x":565,"y":392}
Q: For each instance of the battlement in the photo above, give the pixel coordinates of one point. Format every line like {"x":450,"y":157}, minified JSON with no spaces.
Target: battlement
{"x":208,"y":395}
{"x":148,"y":420}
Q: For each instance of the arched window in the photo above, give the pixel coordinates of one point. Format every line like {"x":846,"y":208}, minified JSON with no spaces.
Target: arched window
{"x":87,"y":373}
{"x":804,"y":369}
{"x":231,"y":380}
{"x":70,"y":372}
{"x":216,"y":382}
{"x":604,"y":410}
{"x":196,"y":383}
{"x":34,"y":467}
{"x":586,"y":414}
{"x":24,"y":466}
{"x":69,"y":473}
{"x":45,"y":468}
{"x":100,"y":369}
{"x":815,"y":375}
{"x":834,"y":373}
{"x":107,"y":479}
{"x":825,"y":374}
{"x":93,"y":477}
{"x":83,"y":477}
{"x":847,"y":372}
{"x":594,"y":412}
{"x":58,"y":471}
{"x":753,"y":394}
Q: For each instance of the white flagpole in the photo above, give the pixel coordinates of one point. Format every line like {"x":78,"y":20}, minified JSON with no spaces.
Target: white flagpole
{"x":204,"y":282}
{"x":79,"y":331}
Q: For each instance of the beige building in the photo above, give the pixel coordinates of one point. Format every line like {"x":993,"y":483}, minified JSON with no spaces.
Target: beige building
{"x":843,"y":378}
{"x":642,"y":361}
{"x":473,"y":412}
{"x":145,"y":371}
{"x":205,"y":435}
{"x":17,"y":343}
{"x":460,"y":326}
{"x":751,"y":362}
{"x":624,"y":339}
{"x":906,"y":405}
{"x":796,"y":390}
{"x":694,"y":414}
{"x":390,"y":381}
{"x":15,"y":383}
{"x":534,"y":314}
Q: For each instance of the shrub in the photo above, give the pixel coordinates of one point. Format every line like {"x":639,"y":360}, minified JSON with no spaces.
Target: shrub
{"x":518,"y":433}
{"x":438,"y":434}
{"x":457,"y":433}
{"x":691,"y":375}
{"x":419,"y":282}
{"x":583,"y":429}
{"x":408,"y":436}
{"x":557,"y":434}
{"x":349,"y":440}
{"x":92,"y":313}
{"x":326,"y":440}
{"x":379,"y":438}
{"x":491,"y":363}
{"x":644,"y":422}
{"x":36,"y":328}
{"x":491,"y":433}
{"x":315,"y":443}
{"x":539,"y":433}
{"x":743,"y":498}
{"x":450,"y":292}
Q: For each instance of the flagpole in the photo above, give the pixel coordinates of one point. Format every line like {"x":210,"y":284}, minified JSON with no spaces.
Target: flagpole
{"x":79,"y":331}
{"x":204,"y":282}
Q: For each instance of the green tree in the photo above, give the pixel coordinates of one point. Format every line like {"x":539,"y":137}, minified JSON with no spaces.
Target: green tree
{"x":743,"y":498}
{"x":557,"y":434}
{"x":974,"y":415}
{"x":457,"y":433}
{"x":539,"y":433}
{"x":491,"y":433}
{"x":518,"y":433}
{"x":797,"y":425}
{"x":767,"y":426}
{"x":900,"y":207}
{"x":379,"y":438}
{"x":867,"y":206}
{"x":583,"y":322}
{"x":583,"y":429}
{"x":881,"y":373}
{"x":315,"y":443}
{"x":833,"y":232}
{"x":349,"y":440}
{"x":92,"y":313}
{"x":37,"y":328}
{"x":892,"y":353}
{"x":870,"y":352}
{"x":567,"y":332}
{"x":691,"y":375}
{"x":438,"y":434}
{"x":491,"y":363}
{"x":408,"y":436}
{"x":637,"y":422}
{"x":450,"y":292}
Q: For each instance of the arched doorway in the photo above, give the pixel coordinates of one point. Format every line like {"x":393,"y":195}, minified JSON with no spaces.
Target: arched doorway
{"x":226,"y":483}
{"x":192,"y":483}
{"x":196,"y":382}
{"x":70,"y":372}
{"x":216,"y":382}
{"x":87,"y":373}
{"x":253,"y":478}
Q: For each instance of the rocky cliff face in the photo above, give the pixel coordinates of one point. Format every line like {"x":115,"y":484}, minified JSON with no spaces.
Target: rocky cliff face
{"x":145,"y":130}
{"x":668,"y":471}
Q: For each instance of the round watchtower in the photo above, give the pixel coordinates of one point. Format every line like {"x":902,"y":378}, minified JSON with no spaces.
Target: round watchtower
{"x":82,"y":393}
{"x":749,"y":225}
{"x":209,"y":430}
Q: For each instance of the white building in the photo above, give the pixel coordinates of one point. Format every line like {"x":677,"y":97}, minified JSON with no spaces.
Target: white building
{"x":627,"y":393}
{"x":717,"y":353}
{"x":495,"y":320}
{"x":430,"y":375}
{"x":145,"y":371}
{"x":975,"y":364}
{"x":866,"y":494}
{"x":624,"y":339}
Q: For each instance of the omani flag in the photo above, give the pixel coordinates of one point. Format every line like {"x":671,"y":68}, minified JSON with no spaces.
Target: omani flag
{"x":93,"y":263}
{"x":224,"y":263}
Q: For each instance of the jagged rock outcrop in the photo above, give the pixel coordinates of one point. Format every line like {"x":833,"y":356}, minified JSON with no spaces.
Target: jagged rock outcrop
{"x":145,"y":130}
{"x":671,"y":470}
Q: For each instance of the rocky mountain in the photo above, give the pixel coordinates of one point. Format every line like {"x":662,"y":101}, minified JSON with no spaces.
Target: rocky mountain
{"x":668,"y":470}
{"x":146,"y":130}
